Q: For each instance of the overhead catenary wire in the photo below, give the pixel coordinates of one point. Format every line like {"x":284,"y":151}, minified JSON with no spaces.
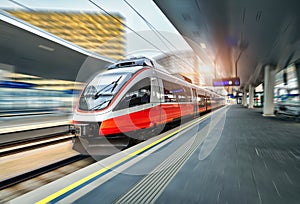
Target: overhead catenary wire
{"x":102,"y":9}
{"x":158,"y":34}
{"x":163,"y":52}
{"x":22,"y":5}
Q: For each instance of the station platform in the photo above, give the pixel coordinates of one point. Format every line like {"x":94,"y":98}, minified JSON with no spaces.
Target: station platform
{"x":233,"y":155}
{"x":14,"y":130}
{"x":31,"y":122}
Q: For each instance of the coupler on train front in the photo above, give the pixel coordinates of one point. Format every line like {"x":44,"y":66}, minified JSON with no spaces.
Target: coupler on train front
{"x":87,"y":140}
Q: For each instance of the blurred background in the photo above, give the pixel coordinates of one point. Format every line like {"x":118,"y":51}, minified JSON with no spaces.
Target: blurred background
{"x":49,"y":53}
{"x":49,"y":50}
{"x":26,"y":94}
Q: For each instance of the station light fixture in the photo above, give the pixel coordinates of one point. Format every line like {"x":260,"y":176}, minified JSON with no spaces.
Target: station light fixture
{"x":50,"y":49}
{"x":235,"y":81}
{"x":203,"y":45}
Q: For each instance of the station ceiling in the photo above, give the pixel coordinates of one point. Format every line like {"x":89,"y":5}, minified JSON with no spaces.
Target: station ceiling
{"x":33,"y":51}
{"x":267,"y":32}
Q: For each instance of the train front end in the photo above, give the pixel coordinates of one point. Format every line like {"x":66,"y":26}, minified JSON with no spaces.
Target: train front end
{"x":94,"y":107}
{"x":96,"y":132}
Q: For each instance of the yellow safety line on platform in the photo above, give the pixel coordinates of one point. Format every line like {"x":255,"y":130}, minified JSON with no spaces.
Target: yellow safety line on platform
{"x":91,"y":176}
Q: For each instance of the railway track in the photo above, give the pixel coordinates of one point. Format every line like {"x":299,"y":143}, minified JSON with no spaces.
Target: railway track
{"x":20,"y":146}
{"x":31,"y":174}
{"x":14,"y":144}
{"x":17,"y":139}
{"x":31,"y":132}
{"x":21,"y":184}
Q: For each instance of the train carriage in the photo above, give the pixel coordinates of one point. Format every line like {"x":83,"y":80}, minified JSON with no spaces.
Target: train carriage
{"x":132,"y":97}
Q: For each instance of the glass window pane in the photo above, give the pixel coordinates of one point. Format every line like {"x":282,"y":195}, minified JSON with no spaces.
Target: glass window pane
{"x":139,"y":94}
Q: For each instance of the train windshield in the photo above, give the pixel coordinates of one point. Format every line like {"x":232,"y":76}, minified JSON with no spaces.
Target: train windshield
{"x":101,"y":90}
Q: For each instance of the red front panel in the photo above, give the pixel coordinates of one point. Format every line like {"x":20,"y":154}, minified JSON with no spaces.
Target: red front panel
{"x":130,"y":122}
{"x":145,"y":118}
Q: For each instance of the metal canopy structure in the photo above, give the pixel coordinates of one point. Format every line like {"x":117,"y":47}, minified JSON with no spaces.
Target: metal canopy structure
{"x":261,"y":32}
{"x":33,"y":51}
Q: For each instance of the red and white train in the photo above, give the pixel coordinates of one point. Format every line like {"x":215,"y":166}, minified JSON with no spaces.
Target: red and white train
{"x":131,"y":96}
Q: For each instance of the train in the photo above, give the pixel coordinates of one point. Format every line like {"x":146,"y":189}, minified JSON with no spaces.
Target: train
{"x":131,"y":101}
{"x":21,"y":98}
{"x":287,"y":102}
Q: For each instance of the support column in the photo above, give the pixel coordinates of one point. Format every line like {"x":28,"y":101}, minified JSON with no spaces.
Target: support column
{"x":269,"y":83}
{"x":244,"y":97}
{"x":251,"y":96}
{"x":297,"y":65}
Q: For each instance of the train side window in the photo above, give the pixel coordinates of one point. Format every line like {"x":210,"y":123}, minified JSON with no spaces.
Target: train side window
{"x":201,"y":100}
{"x":169,"y":96}
{"x":181,"y":93}
{"x":176,"y":93}
{"x":188,"y":94}
{"x":137,"y":95}
{"x":208,"y":100}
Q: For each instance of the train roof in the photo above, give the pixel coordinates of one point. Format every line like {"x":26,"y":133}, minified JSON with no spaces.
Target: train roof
{"x":141,"y":61}
{"x":133,"y":69}
{"x":133,"y":65}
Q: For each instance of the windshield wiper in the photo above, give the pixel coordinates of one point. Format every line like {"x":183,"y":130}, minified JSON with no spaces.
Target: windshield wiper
{"x":115,"y":84}
{"x":100,"y":104}
{"x":99,"y":93}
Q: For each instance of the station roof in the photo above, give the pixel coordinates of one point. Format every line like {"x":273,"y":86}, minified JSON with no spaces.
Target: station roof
{"x":267,"y":32}
{"x":33,"y":51}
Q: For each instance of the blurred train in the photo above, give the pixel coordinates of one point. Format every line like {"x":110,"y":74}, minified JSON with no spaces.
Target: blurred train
{"x":20,"y":98}
{"x":287,"y":102}
{"x":133,"y":99}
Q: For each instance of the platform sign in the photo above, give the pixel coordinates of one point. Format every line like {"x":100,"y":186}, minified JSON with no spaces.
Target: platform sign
{"x":227,"y":82}
{"x":231,"y":95}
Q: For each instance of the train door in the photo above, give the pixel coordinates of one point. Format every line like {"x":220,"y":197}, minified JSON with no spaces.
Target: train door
{"x":195,"y":102}
{"x":206,"y":101}
{"x":155,"y":113}
{"x":201,"y":102}
{"x":155,"y":91}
